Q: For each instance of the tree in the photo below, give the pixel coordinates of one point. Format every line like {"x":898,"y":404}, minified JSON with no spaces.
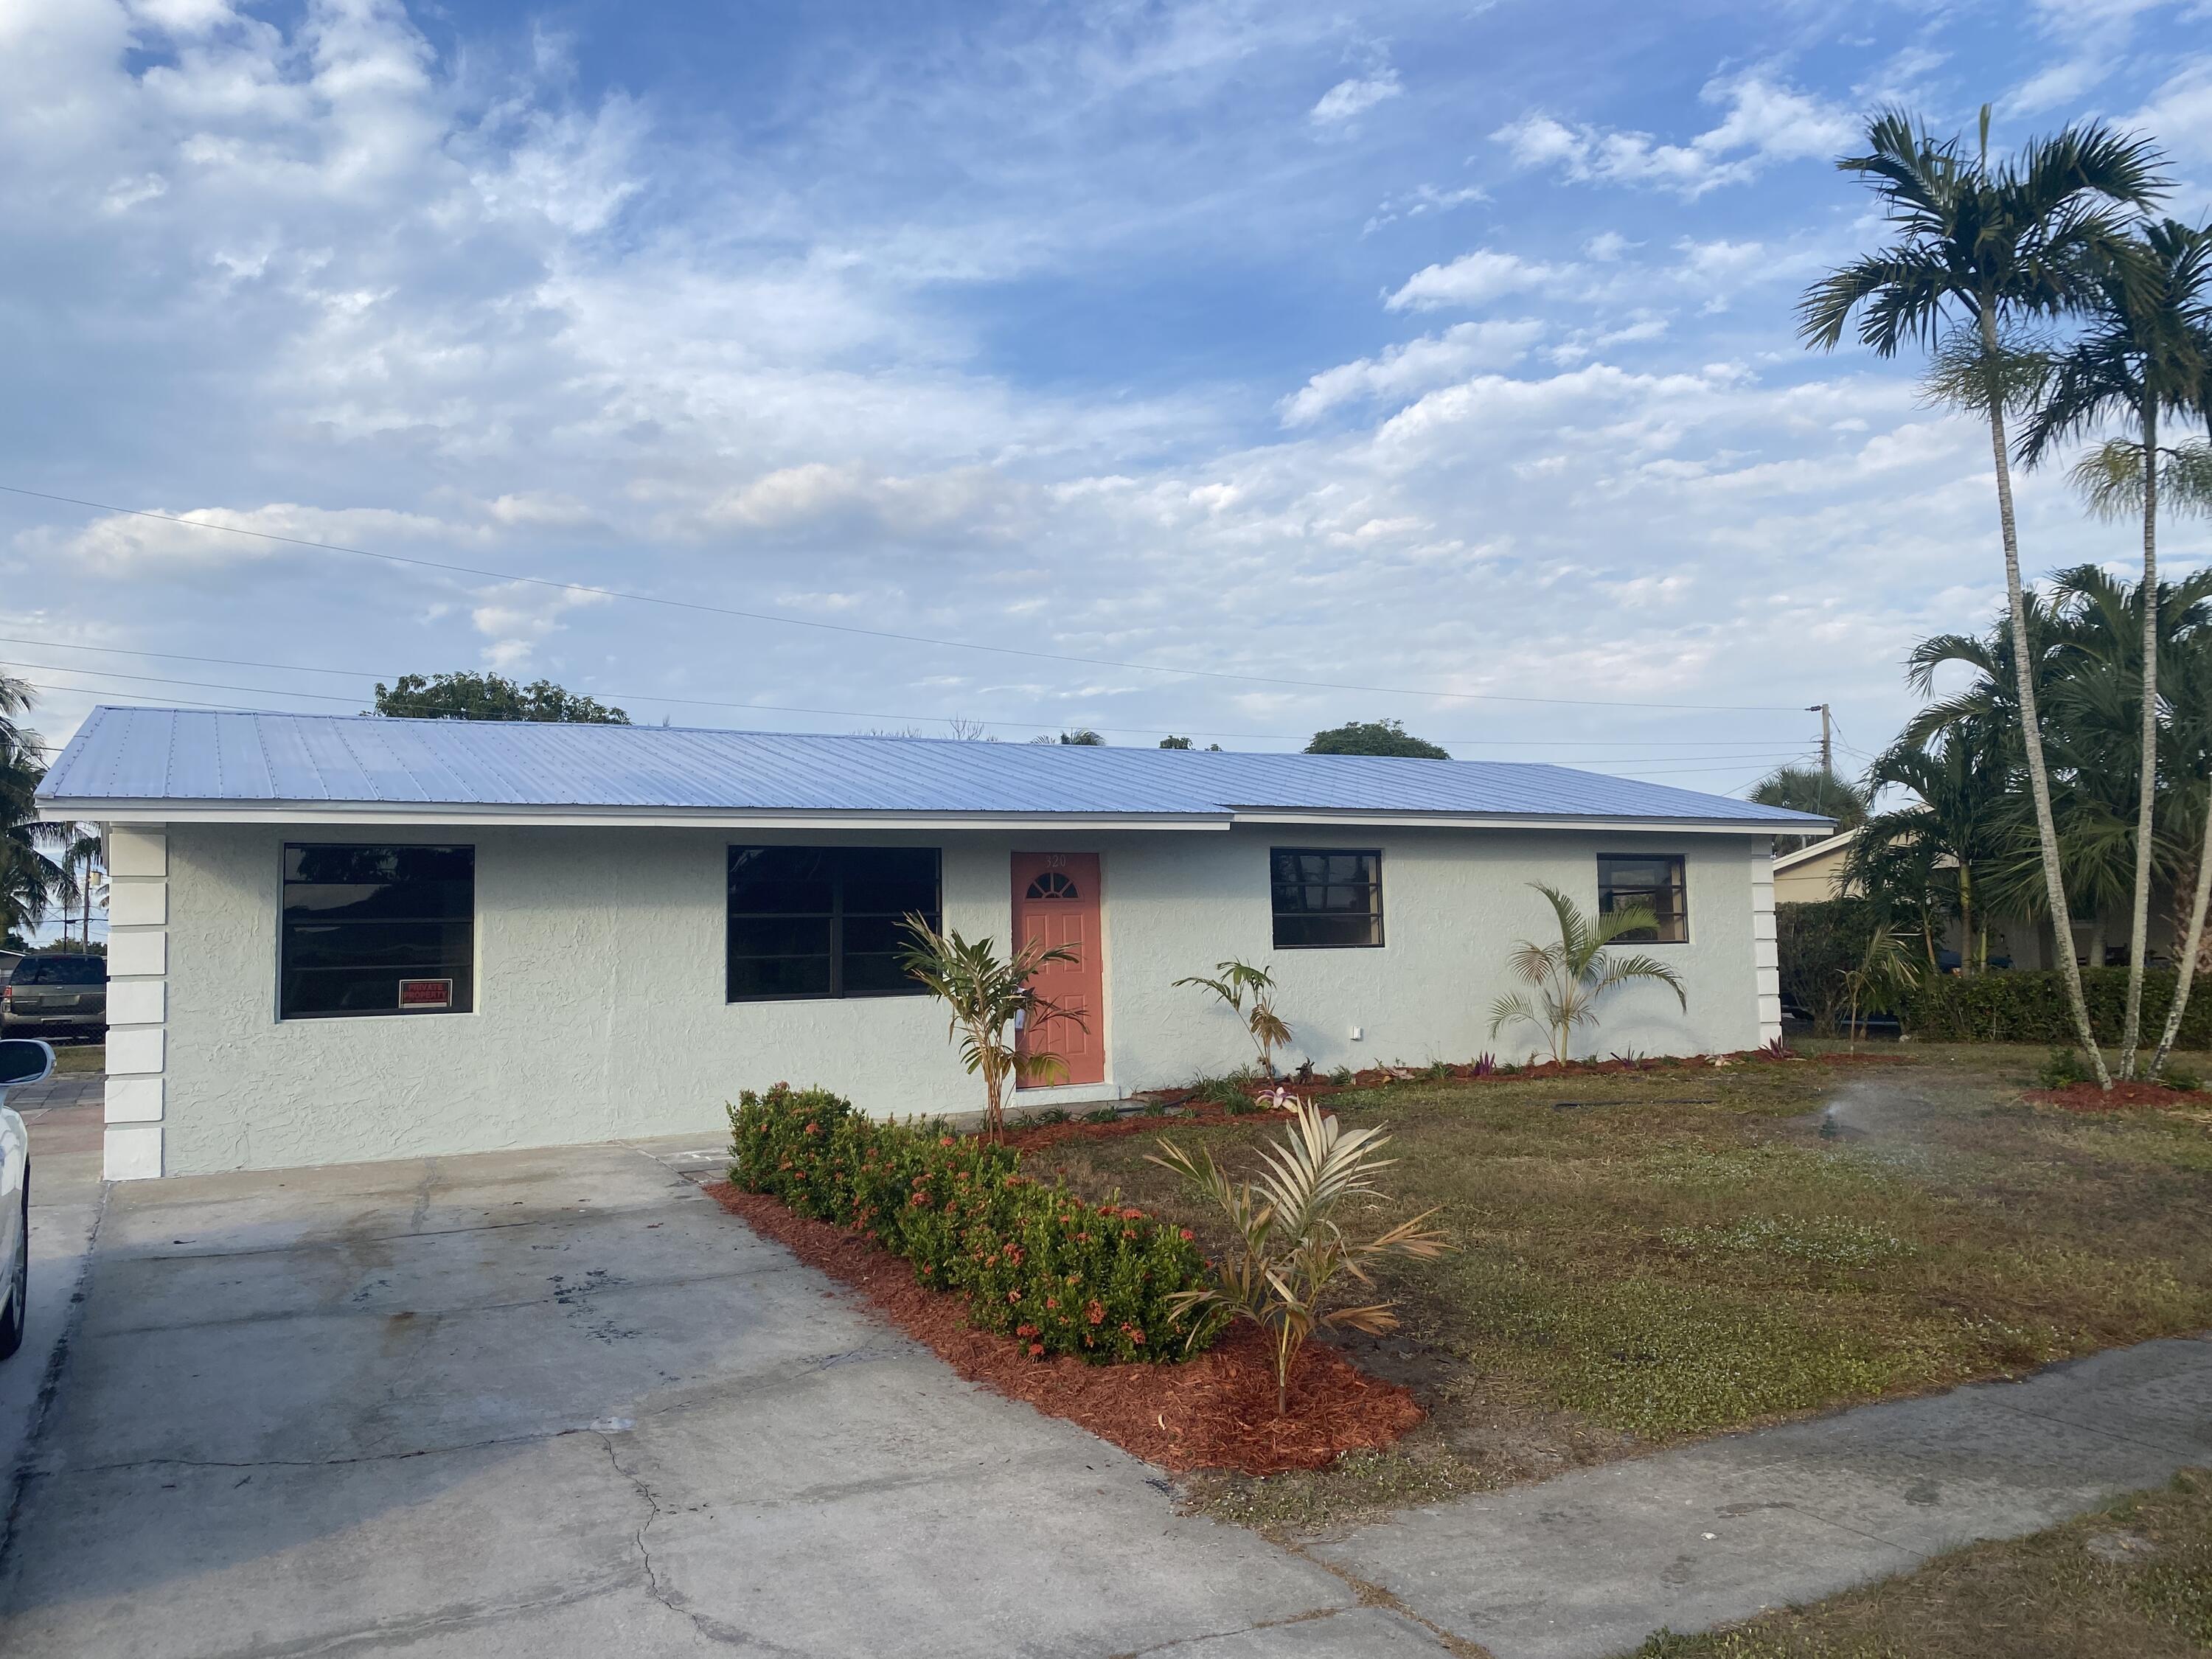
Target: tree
{"x":1570,"y":975}
{"x":1978,"y":251}
{"x":1238,"y":981}
{"x":1373,"y":738}
{"x":1290,"y":1249}
{"x":1959,"y":824}
{"x":991,"y":1002}
{"x":31,"y":878}
{"x":466,"y":696}
{"x":1811,"y":789}
{"x":2143,"y":353}
{"x":1175,"y":743}
{"x":1083,"y":738}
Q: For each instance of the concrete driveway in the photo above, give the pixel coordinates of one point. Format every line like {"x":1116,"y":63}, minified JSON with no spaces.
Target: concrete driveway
{"x":558,"y":1403}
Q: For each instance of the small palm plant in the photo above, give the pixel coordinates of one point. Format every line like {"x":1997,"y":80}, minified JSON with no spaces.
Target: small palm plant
{"x":1290,"y":1251}
{"x":1884,"y":974}
{"x":1238,"y":981}
{"x":992,"y":1002}
{"x":1571,"y":975}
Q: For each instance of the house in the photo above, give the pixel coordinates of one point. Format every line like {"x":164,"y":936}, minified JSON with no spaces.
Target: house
{"x":1814,"y":873}
{"x":336,"y":939}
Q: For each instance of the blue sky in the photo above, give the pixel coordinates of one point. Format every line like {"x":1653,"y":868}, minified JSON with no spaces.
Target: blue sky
{"x":1432,"y":349}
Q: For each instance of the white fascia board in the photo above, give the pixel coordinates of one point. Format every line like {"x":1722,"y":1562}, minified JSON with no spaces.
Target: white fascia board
{"x":573,"y":817}
{"x":1506,"y":821}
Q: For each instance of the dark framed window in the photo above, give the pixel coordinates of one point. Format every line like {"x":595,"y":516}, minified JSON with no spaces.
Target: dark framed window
{"x":1652,"y":883}
{"x":377,"y":930}
{"x":825,"y":922}
{"x":1325,"y":897}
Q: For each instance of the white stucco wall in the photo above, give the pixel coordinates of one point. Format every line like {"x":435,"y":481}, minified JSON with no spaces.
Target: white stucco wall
{"x":599,"y":1009}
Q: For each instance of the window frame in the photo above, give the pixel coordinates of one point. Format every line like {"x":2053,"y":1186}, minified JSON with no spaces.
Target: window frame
{"x":473,"y":934}
{"x":1681,"y":888}
{"x":836,"y":915}
{"x":1277,"y":917}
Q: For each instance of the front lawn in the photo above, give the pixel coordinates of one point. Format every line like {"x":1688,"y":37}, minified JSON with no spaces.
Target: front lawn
{"x":1687,"y":1250}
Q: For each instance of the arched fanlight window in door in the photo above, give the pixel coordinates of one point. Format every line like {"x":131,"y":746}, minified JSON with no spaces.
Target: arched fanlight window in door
{"x":1053,"y":885}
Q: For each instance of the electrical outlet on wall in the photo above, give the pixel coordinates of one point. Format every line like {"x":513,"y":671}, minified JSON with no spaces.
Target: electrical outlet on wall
{"x":1359,"y":1034}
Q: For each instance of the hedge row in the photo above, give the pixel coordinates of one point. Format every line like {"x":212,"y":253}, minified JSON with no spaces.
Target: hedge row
{"x":1035,"y":1261}
{"x":2030,"y":1006}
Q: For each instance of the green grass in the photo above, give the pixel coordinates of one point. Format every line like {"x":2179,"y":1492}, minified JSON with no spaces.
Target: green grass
{"x":1687,"y":1251}
{"x":2134,"y":1579}
{"x":79,"y":1057}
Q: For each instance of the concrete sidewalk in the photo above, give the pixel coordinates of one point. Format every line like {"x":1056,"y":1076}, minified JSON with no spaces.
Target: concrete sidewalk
{"x":1590,"y":1563}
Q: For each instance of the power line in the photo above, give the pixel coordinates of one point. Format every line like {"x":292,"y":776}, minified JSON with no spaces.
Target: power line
{"x":880,"y":633}
{"x":751,"y":708}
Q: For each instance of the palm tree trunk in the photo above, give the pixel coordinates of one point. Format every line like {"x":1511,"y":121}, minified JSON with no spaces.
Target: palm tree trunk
{"x":2139,"y":930}
{"x":2186,"y":969}
{"x":2031,"y":728}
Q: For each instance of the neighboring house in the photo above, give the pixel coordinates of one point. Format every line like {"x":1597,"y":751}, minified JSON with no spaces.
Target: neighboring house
{"x":336,"y":938}
{"x":1814,"y":874}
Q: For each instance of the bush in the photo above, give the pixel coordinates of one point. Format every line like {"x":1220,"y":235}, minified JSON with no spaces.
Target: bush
{"x":2030,"y":1006}
{"x":1817,"y":943}
{"x":2062,"y":1070}
{"x":1036,"y":1262}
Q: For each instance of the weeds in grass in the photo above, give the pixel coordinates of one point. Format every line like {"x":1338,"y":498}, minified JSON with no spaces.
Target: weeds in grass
{"x":1822,"y":1241}
{"x":1046,"y":1114}
{"x":1102,"y":1115}
{"x":1219,"y":1091}
{"x":1343,"y":1076}
{"x":2063,"y":1069}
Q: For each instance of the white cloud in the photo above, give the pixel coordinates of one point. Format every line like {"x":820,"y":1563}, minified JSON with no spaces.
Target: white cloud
{"x":516,"y":618}
{"x":1764,"y":121}
{"x":2178,"y":114}
{"x":181,"y":544}
{"x":1473,"y":279}
{"x":1349,"y":99}
{"x":1607,"y":246}
{"x":1413,"y":367}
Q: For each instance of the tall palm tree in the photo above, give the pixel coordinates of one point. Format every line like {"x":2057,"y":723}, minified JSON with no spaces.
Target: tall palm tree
{"x":2141,"y":355}
{"x":31,"y":878}
{"x":1978,"y":251}
{"x":2194,"y":717}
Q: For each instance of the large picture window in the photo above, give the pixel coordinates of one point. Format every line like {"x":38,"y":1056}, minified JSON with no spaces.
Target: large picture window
{"x":825,"y":922}
{"x":1325,"y":897}
{"x":1652,"y":883}
{"x":378,"y":930}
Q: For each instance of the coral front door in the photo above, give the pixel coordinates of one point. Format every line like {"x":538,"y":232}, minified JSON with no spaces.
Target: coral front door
{"x":1056,"y":903}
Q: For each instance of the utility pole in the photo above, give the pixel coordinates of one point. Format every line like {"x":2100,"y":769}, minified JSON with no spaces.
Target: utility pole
{"x":1827,"y":739}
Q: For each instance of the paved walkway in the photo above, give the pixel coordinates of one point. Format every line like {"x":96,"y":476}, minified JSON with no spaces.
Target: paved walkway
{"x":1591,"y":1563}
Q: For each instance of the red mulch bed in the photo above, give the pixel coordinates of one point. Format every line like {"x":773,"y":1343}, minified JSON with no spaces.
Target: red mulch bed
{"x":2122,"y":1096}
{"x":1215,"y":1412}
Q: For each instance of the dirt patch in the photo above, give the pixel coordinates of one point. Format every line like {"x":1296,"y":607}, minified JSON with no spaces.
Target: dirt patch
{"x":1215,"y":1412}
{"x":2120,"y":1098}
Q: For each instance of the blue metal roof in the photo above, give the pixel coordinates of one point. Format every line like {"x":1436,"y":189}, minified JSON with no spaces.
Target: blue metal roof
{"x":128,"y":757}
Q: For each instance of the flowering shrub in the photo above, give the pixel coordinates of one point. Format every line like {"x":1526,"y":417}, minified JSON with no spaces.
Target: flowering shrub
{"x":1036,"y":1262}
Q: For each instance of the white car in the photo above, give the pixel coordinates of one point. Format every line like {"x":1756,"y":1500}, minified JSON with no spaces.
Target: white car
{"x":22,"y":1060}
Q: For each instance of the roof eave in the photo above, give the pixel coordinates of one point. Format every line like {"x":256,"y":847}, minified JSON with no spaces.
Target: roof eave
{"x":142,"y":811}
